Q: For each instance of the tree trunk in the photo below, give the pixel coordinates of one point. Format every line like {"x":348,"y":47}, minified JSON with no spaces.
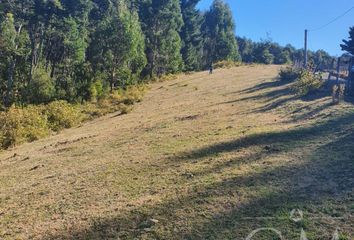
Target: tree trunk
{"x":10,"y":80}
{"x":52,"y":72}
{"x":33,"y":61}
{"x":151,"y":57}
{"x":112,"y":79}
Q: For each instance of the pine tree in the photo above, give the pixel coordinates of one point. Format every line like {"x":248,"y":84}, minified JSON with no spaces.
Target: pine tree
{"x":219,"y":32}
{"x":62,"y":49}
{"x":191,"y":35}
{"x":349,"y":44}
{"x":162,"y":21}
{"x":118,"y":46}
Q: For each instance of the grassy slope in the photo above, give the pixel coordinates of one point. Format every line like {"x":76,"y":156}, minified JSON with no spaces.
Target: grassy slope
{"x":202,"y":157}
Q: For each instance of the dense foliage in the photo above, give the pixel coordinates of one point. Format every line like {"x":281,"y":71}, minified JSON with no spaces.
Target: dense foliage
{"x":191,"y":34}
{"x":348,"y":45}
{"x":19,"y":125}
{"x":307,"y":82}
{"x":289,"y":74}
{"x":218,"y":30}
{"x":268,"y":52}
{"x":81,"y":50}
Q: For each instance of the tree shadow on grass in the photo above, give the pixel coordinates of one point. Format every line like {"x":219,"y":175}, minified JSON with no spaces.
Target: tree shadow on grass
{"x":322,"y":187}
{"x":268,"y":96}
{"x":279,"y":93}
{"x":292,"y":138}
{"x":264,"y":85}
{"x":310,"y":113}
{"x":278,"y":101}
{"x":321,"y":184}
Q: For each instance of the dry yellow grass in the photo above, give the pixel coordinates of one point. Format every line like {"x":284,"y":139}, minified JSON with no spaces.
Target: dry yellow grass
{"x":201,"y":157}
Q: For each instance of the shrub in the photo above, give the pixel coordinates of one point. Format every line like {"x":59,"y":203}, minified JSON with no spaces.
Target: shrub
{"x":226,"y":64}
{"x":96,"y":90}
{"x":19,"y":125}
{"x":307,"y":82}
{"x":289,"y":74}
{"x":134,"y":94}
{"x":124,"y":109}
{"x":90,"y":111}
{"x":131,"y":95}
{"x":62,"y":115}
{"x":41,"y":89}
{"x":118,"y":101}
{"x":116,"y":96}
{"x":106,"y":106}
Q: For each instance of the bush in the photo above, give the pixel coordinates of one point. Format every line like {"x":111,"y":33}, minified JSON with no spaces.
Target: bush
{"x":41,"y":89}
{"x":307,"y":82}
{"x":226,"y":64}
{"x":134,"y":94}
{"x":289,"y":74}
{"x":62,"y":115}
{"x":19,"y":125}
{"x":131,"y":95}
{"x":96,"y":90}
{"x":124,"y":109}
{"x":118,"y":101}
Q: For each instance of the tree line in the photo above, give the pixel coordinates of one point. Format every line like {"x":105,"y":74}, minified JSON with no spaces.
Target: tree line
{"x":71,"y":50}
{"x":80,"y":50}
{"x":269,"y":52}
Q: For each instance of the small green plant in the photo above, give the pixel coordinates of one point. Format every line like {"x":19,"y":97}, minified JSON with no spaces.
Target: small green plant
{"x":96,"y":90}
{"x":289,"y":74}
{"x":307,"y":82}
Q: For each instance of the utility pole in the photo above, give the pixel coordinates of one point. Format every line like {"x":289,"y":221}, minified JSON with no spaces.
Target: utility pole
{"x":306,"y":60}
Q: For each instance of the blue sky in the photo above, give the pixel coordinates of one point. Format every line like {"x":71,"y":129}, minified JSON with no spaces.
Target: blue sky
{"x":284,"y":21}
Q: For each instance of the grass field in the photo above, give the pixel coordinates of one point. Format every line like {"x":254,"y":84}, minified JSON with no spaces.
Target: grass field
{"x":201,"y":157}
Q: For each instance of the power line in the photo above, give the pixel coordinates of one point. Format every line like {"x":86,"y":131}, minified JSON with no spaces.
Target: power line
{"x":340,"y":16}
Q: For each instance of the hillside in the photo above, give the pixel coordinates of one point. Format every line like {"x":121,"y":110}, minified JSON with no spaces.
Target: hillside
{"x":201,"y":157}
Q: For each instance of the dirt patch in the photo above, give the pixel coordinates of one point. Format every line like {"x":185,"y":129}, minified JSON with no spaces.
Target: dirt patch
{"x":188,"y":118}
